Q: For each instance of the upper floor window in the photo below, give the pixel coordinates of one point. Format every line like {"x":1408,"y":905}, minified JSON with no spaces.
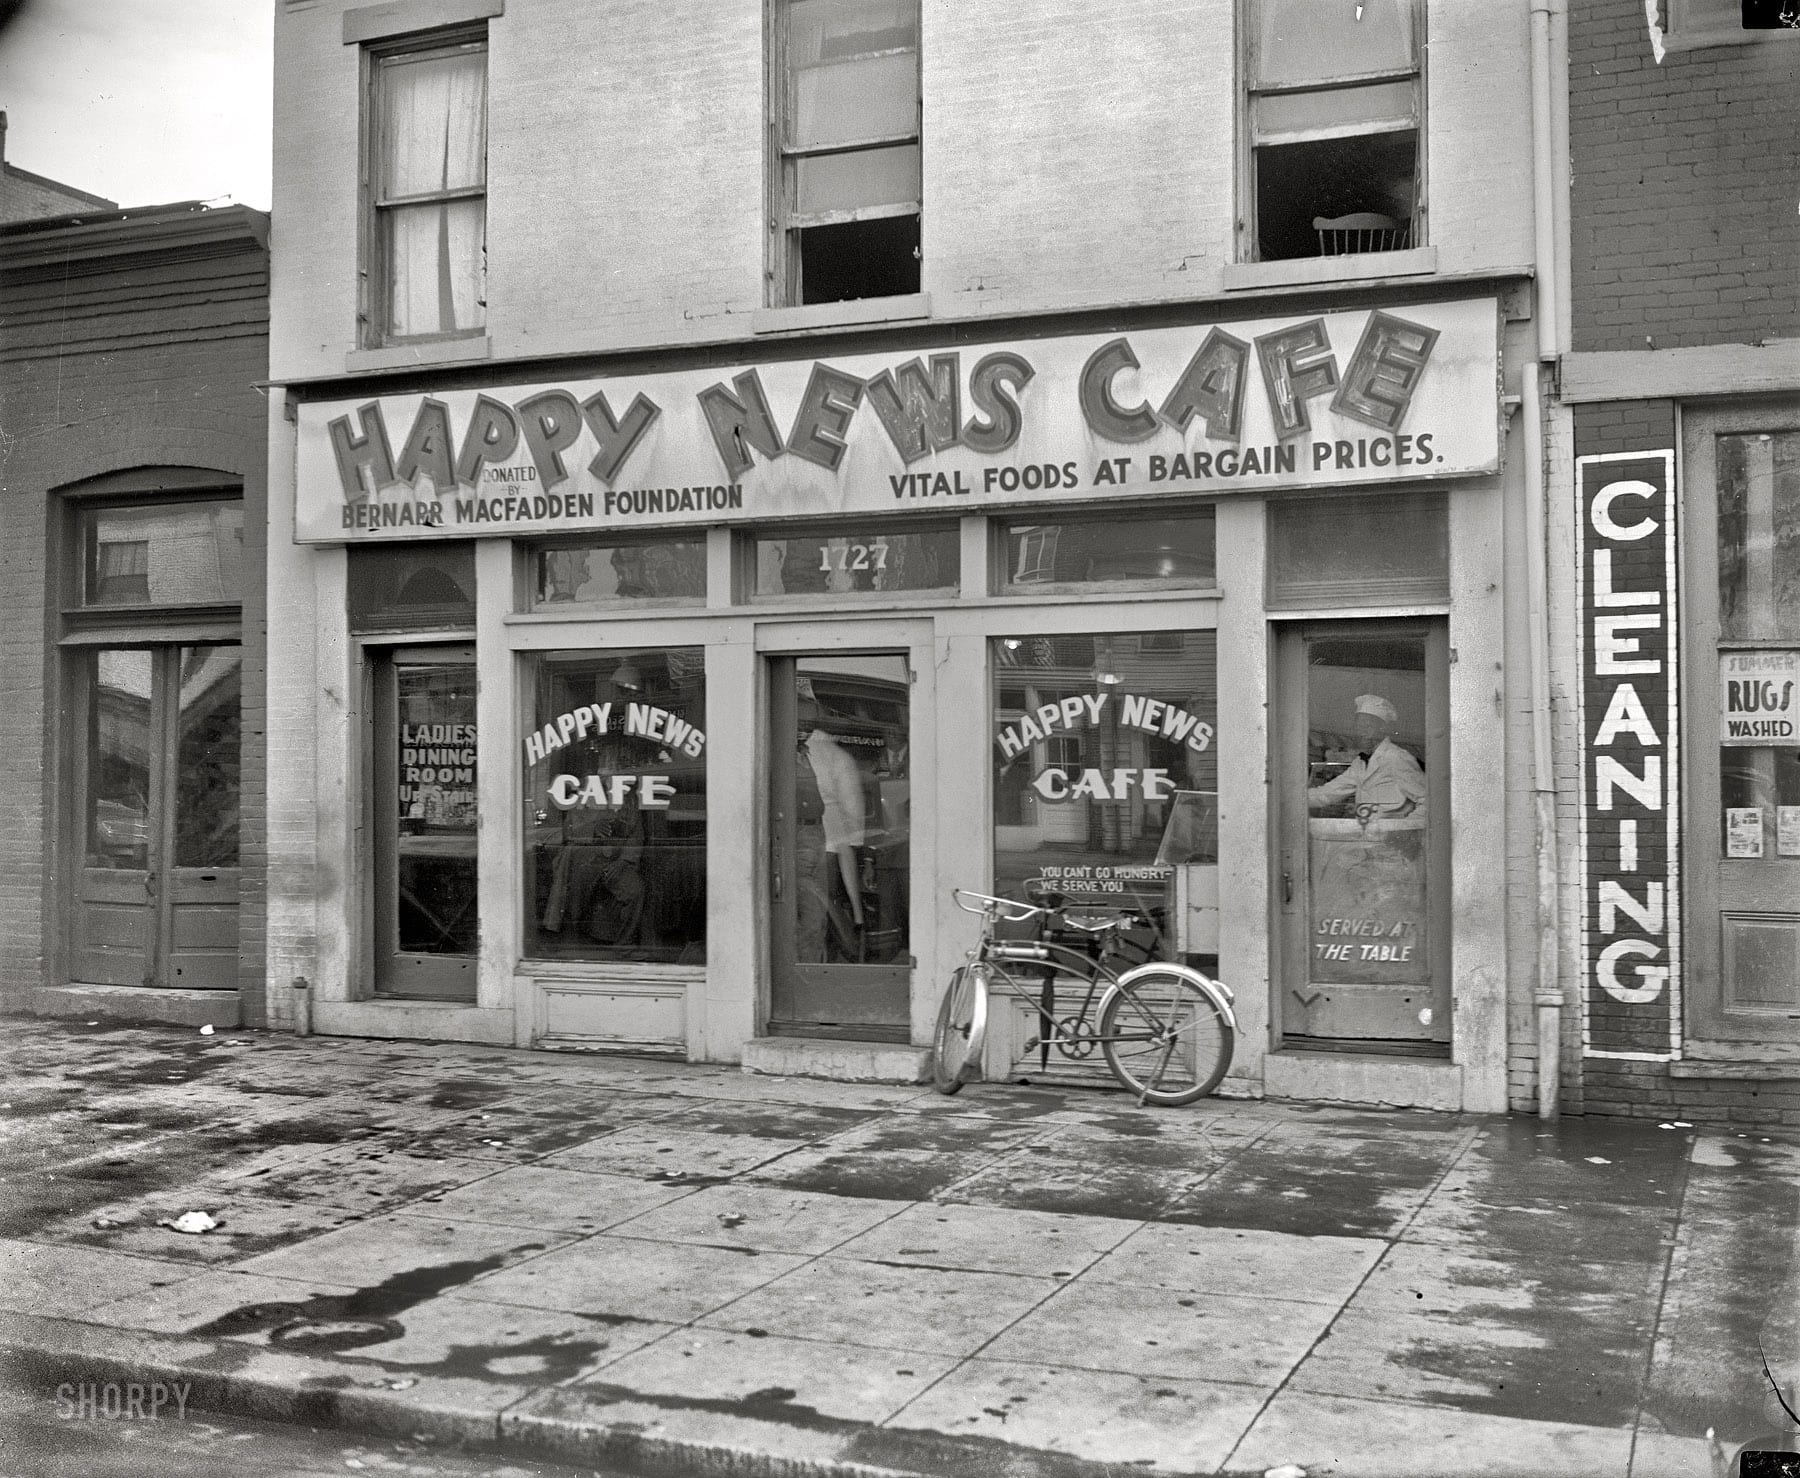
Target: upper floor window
{"x":426,"y":225}
{"x":1335,"y":107}
{"x":844,"y":83}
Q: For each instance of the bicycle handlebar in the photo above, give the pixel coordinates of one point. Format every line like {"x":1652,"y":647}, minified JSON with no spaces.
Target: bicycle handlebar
{"x":1014,"y":912}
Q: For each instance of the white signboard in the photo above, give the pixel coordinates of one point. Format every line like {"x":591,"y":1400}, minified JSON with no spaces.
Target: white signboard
{"x":1759,"y":698}
{"x":1373,"y":397}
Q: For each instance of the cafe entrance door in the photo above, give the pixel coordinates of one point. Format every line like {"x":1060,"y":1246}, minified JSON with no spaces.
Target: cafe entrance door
{"x":840,"y":854}
{"x":424,"y":757}
{"x":1361,"y":752}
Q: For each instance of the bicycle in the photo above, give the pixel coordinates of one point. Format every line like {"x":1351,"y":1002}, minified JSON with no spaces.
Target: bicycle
{"x":1167,"y":1031}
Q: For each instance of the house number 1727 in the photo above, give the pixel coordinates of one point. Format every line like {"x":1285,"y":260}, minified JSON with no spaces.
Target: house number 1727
{"x":836,"y":556}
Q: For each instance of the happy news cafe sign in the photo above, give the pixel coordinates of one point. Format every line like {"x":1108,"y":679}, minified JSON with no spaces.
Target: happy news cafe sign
{"x":1372,"y":397}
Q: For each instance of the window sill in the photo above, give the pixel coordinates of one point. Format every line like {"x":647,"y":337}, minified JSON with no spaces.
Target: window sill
{"x":1701,"y":38}
{"x":1358,"y":267}
{"x":426,"y":351}
{"x":908,"y":308}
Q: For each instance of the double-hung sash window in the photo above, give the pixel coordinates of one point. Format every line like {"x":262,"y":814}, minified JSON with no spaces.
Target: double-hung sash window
{"x":427,"y":161}
{"x":845,"y":123}
{"x":1335,"y":109}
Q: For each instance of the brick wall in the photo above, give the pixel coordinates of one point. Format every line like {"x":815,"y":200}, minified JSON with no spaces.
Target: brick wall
{"x":1682,"y":219}
{"x":129,"y":345}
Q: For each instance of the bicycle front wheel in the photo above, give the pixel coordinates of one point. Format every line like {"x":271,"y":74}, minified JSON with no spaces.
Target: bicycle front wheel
{"x":1165,"y":1039}
{"x":961,"y":1029}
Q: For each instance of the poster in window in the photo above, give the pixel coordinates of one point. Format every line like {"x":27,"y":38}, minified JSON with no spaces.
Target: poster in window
{"x":1743,"y":831}
{"x":1787,"y":831}
{"x":1759,"y":698}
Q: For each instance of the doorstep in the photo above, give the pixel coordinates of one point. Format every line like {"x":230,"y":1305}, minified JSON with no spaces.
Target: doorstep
{"x":1368,"y":1079}
{"x":138,"y":1004}
{"x":832,"y":1057}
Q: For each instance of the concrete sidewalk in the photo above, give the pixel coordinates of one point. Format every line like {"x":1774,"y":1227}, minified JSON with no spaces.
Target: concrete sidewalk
{"x":680,"y":1269}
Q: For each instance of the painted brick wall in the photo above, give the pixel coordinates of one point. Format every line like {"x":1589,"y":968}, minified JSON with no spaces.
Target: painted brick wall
{"x":121,"y":361}
{"x":1682,"y":209}
{"x":1073,"y":156}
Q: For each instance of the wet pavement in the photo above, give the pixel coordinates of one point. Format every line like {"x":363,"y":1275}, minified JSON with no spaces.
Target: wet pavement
{"x":671,"y":1268}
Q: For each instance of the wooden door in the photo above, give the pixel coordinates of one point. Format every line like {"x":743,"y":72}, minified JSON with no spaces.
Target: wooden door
{"x":157,"y":803}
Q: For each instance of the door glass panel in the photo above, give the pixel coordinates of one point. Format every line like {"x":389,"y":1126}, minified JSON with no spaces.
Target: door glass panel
{"x":436,"y":771}
{"x":119,"y":755}
{"x":1368,"y":842}
{"x":1759,"y":536}
{"x":207,"y":780}
{"x":841,"y":808}
{"x":1106,"y":775}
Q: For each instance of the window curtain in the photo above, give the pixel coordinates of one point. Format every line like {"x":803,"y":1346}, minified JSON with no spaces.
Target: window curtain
{"x":435,"y":140}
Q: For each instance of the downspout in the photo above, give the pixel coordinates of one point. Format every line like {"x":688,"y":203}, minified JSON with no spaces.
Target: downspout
{"x":1548,"y":33}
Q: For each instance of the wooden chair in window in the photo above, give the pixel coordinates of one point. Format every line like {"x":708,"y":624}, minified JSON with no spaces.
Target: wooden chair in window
{"x":1363,"y":230}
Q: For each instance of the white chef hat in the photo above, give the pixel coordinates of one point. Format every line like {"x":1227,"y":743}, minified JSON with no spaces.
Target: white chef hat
{"x":1378,"y":707}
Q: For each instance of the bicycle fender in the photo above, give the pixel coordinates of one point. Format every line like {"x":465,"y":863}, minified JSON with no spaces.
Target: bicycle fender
{"x":1217,"y":989}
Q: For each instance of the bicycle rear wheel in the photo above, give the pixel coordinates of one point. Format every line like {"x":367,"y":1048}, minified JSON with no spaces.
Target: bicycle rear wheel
{"x":1165,"y":1039}
{"x":961,"y":1029}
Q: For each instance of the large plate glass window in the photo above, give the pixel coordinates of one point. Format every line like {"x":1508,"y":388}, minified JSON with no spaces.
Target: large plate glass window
{"x":1106,"y":775}
{"x":427,"y":201}
{"x":615,"y":798}
{"x":1335,"y":138}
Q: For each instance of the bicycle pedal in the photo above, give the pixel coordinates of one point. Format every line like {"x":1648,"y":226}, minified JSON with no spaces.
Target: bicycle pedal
{"x":1031,"y":1043}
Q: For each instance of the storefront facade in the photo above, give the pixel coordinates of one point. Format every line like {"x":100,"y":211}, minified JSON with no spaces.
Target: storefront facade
{"x":1680,"y":511}
{"x":1096,"y":612}
{"x":131,"y":539}
{"x":654,"y":658}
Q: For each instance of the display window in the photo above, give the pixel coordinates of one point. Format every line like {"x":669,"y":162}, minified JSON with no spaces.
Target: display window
{"x":615,"y":796}
{"x":1105,"y":770}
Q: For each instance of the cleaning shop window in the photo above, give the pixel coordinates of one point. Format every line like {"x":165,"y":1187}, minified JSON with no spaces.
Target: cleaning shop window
{"x":425,"y":216}
{"x":844,"y":105}
{"x":1335,"y":111}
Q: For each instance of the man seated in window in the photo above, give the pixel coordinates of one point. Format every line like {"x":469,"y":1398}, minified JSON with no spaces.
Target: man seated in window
{"x":1383,"y":781}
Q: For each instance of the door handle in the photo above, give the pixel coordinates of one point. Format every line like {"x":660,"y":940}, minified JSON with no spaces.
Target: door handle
{"x":149,"y":884}
{"x":1287,"y":887}
{"x":776,"y":869}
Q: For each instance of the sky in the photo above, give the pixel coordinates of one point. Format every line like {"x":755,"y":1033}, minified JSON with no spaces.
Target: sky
{"x":144,"y":102}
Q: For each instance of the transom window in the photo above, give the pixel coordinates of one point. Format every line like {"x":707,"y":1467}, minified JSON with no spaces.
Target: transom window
{"x":162,"y":554}
{"x":1334,"y":113}
{"x":427,"y":190}
{"x":844,"y":100}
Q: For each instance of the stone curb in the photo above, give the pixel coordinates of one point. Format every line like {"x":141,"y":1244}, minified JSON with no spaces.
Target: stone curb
{"x":42,"y":1353}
